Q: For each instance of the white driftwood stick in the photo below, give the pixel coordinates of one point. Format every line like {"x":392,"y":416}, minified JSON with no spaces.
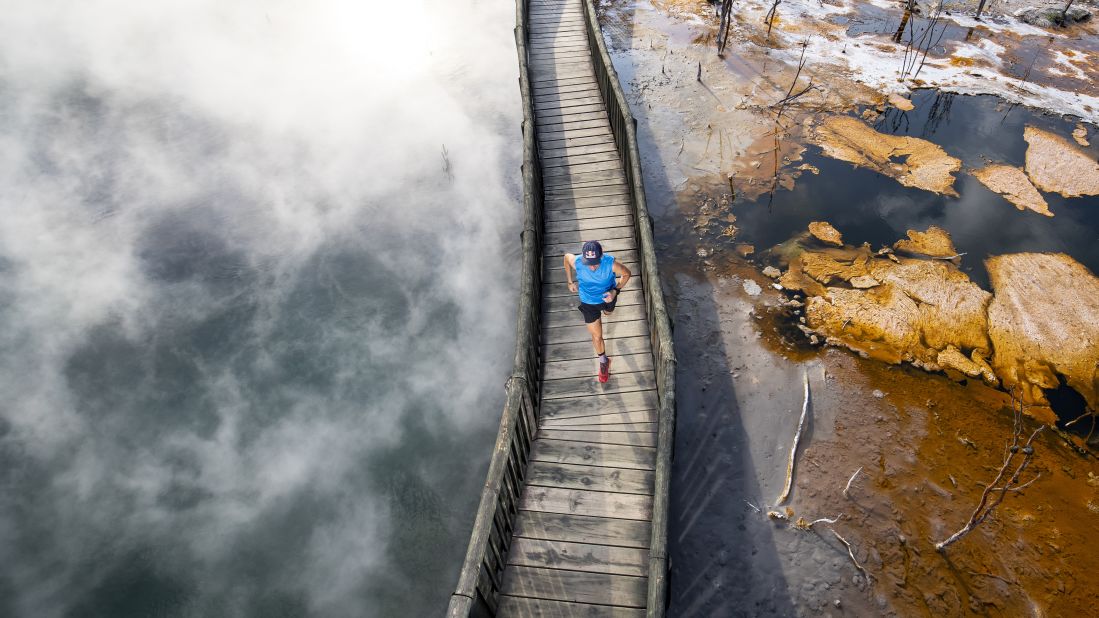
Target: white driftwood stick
{"x":849,"y":481}
{"x":797,"y":438}
{"x":851,"y":553}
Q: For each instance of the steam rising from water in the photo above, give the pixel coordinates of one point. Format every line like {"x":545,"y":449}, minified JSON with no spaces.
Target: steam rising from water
{"x":255,"y":308}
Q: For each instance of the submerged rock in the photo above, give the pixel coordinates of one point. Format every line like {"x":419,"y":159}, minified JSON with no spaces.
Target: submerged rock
{"x":913,"y":162}
{"x":901,"y":103}
{"x":934,"y":242}
{"x":1049,"y":17}
{"x":1044,"y":323}
{"x":1056,"y":166}
{"x":1012,"y":183}
{"x":1080,"y":135}
{"x":824,"y":232}
{"x":908,"y":310}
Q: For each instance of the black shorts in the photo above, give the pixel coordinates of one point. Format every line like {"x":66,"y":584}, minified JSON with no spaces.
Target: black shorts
{"x":591,"y":312}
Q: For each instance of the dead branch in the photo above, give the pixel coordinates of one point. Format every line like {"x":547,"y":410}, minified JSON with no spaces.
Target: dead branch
{"x":1006,"y":581}
{"x":849,"y":481}
{"x":754,"y":507}
{"x":723,"y":28}
{"x":797,"y":438}
{"x":771,"y":14}
{"x":802,"y":524}
{"x":851,"y":553}
{"x":994,"y":493}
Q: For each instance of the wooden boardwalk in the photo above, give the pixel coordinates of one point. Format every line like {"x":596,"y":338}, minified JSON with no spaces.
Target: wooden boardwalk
{"x":581,"y":538}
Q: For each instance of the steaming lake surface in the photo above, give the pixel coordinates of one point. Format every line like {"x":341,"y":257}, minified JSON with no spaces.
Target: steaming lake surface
{"x":255,"y":304}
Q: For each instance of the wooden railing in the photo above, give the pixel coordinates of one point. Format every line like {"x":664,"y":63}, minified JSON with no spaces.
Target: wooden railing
{"x":624,"y":128}
{"x":479,"y":581}
{"x":480,"y":577}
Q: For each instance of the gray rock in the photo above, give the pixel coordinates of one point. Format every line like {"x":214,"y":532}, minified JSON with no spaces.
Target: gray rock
{"x":1051,"y":17}
{"x":772,"y":272}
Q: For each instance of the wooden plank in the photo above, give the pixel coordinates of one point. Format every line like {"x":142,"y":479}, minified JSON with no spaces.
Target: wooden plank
{"x":568,"y":113}
{"x":615,"y":198}
{"x":586,"y":213}
{"x":588,"y":95}
{"x":586,"y":367}
{"x":548,"y":75}
{"x":548,"y":122}
{"x":580,"y":528}
{"x":609,"y":153}
{"x":591,"y":503}
{"x":550,"y":102}
{"x":573,"y":246}
{"x":579,"y":557}
{"x":622,"y":427}
{"x":520,"y":607}
{"x":584,"y":87}
{"x":584,"y":179}
{"x":560,"y":134}
{"x":562,"y":418}
{"x":579,"y":332}
{"x":588,"y":223}
{"x":562,"y":83}
{"x":603,"y":436}
{"x":578,"y":147}
{"x":636,"y":401}
{"x":561,"y":52}
{"x":555,"y":238}
{"x":579,"y":169}
{"x":560,"y":304}
{"x":568,"y":476}
{"x":588,"y":386}
{"x":620,"y":314}
{"x":575,"y":586}
{"x":564,"y":123}
{"x":582,"y":453}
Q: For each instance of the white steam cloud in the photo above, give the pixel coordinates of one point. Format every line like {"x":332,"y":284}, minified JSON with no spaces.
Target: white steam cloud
{"x":258,"y":264}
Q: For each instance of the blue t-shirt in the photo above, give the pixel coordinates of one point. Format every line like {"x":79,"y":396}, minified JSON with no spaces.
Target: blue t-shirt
{"x":594,"y":284}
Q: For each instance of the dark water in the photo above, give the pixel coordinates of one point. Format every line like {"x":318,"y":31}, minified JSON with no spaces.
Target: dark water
{"x":868,"y":207}
{"x":252,"y":365}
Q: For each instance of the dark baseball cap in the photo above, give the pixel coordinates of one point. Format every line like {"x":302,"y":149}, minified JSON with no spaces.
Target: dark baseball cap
{"x":592,"y":252}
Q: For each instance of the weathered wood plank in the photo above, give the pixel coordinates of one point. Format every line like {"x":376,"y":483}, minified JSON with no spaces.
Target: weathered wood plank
{"x":583,"y":88}
{"x":623,"y":402}
{"x":521,"y":607}
{"x":573,"y":120}
{"x":558,"y":238}
{"x":587,"y":367}
{"x":620,"y":197}
{"x":564,"y":134}
{"x":579,"y":557}
{"x":573,"y":246}
{"x":572,"y":148}
{"x":564,"y":417}
{"x":591,"y":503}
{"x":554,"y":101}
{"x":575,"y":586}
{"x":608,"y":153}
{"x":565,"y":114}
{"x":581,"y":528}
{"x":588,"y":386}
{"x":582,"y":453}
{"x":568,"y":476}
{"x":569,"y":303}
{"x":621,"y":210}
{"x":559,"y":123}
{"x":588,"y":223}
{"x":602,"y":436}
{"x":622,"y":313}
{"x":585,"y":179}
{"x":578,"y":333}
{"x":626,"y":427}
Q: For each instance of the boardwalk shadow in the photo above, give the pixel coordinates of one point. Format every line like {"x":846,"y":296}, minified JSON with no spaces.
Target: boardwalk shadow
{"x":723,"y":555}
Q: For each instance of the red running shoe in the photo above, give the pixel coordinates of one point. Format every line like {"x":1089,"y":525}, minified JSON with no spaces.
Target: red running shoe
{"x":604,"y":370}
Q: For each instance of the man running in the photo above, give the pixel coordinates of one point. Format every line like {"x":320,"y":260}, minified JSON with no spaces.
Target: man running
{"x":596,"y":279}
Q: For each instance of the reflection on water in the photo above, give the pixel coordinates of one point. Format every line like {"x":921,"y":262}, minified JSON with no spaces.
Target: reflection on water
{"x":868,"y":207}
{"x":252,"y":363}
